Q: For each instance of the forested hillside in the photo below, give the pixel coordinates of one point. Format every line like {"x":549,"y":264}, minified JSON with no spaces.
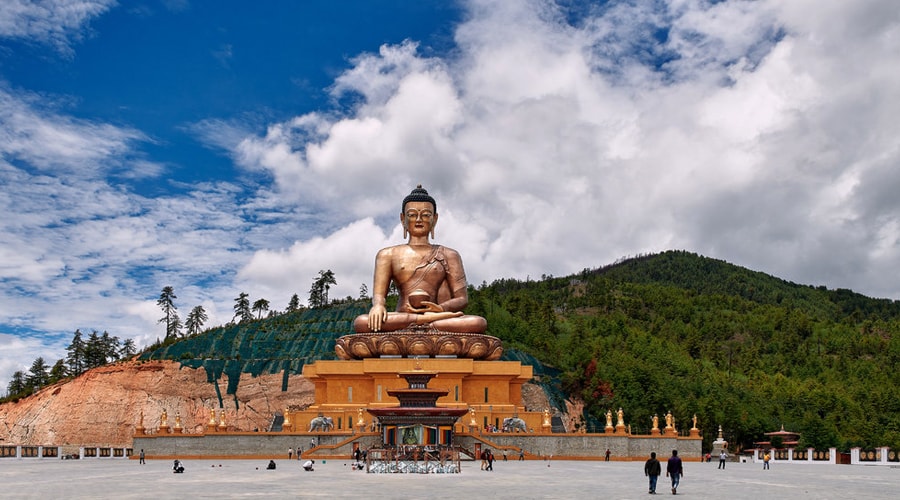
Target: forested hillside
{"x":680,"y":332}
{"x":669,"y":332}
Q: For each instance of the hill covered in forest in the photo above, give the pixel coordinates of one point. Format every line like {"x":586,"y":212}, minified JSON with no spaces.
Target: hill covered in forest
{"x":667,"y":332}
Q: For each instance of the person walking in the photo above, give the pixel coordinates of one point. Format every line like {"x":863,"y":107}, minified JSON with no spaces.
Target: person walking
{"x":290,"y":453}
{"x":141,"y":457}
{"x":722,"y":457}
{"x":766,"y":459}
{"x":652,"y":469}
{"x":607,"y":454}
{"x":521,"y":454}
{"x":675,"y":469}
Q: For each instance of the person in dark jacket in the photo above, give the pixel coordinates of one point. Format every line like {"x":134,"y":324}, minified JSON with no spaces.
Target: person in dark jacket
{"x":675,"y":470}
{"x":652,"y":469}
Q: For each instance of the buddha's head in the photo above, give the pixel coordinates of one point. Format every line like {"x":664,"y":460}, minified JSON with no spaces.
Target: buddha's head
{"x":418,"y":213}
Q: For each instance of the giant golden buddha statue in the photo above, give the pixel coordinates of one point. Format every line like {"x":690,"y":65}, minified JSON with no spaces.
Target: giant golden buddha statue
{"x":429,"y":318}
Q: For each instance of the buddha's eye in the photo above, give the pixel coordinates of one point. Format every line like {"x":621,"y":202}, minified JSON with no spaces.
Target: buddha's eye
{"x":415,"y":214}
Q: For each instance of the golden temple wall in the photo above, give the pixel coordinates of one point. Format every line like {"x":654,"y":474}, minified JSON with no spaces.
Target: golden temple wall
{"x":493,"y":388}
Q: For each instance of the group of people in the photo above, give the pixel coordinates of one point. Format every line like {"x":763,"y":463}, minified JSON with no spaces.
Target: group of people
{"x":487,"y":460}
{"x":359,"y":458}
{"x":674,"y":470}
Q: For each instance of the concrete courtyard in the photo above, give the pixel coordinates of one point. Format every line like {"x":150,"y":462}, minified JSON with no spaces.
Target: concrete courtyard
{"x":224,"y":479}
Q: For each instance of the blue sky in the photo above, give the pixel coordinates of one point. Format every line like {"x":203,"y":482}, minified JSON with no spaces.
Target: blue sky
{"x":227,"y":147}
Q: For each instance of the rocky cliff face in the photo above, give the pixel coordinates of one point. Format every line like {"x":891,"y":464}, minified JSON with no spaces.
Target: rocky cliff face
{"x":103,"y":406}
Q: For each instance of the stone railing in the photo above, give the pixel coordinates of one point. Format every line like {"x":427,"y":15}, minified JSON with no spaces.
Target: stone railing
{"x":45,"y":452}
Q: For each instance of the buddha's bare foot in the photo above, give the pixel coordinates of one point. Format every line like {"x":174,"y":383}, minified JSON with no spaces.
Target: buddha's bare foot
{"x":431,"y":317}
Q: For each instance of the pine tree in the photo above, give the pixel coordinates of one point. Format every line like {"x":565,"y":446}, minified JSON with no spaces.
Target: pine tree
{"x":167,"y":304}
{"x":110,"y":347}
{"x":294,"y":303}
{"x":195,"y":320}
{"x":94,"y":351}
{"x":260,"y":306}
{"x":318,"y":292}
{"x":128,"y":349}
{"x":75,"y":358}
{"x":242,"y":308}
{"x":37,"y":375}
{"x":17,"y":384}
{"x":59,"y":371}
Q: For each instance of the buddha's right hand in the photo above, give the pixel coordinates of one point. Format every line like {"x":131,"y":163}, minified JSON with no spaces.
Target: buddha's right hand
{"x":377,"y":316}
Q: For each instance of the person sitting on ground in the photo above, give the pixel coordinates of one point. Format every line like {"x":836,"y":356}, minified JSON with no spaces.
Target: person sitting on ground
{"x":271,"y":465}
{"x":177,"y":468}
{"x":308,"y":465}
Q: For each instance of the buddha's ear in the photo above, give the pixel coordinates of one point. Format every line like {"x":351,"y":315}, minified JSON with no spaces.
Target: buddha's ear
{"x":403,"y":223}
{"x":433,"y":223}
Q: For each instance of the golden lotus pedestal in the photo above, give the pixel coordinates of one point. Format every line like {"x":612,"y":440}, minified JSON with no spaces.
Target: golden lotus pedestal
{"x":419,"y":341}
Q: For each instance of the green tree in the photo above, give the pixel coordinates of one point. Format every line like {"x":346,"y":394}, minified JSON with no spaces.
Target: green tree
{"x":167,"y":304}
{"x":17,"y":385}
{"x":195,"y":320}
{"x":59,"y":371}
{"x":318,"y":292}
{"x":294,"y":303}
{"x":75,"y":356}
{"x":242,"y":308}
{"x":38,"y":375}
{"x":260,"y":306}
{"x":128,"y":349}
{"x":363,"y":292}
{"x":94,"y":351}
{"x":110,"y":347}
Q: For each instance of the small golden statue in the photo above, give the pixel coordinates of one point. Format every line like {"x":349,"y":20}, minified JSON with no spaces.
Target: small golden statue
{"x":360,"y":422}
{"x":164,"y":419}
{"x":621,"y":418}
{"x":472,"y":421}
{"x":669,"y":420}
{"x":546,"y":422}
{"x":655,"y":422}
{"x":212,"y":417}
{"x":609,"y":418}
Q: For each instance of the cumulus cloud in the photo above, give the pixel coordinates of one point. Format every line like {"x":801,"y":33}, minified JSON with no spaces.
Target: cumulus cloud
{"x":762,"y":133}
{"x":738,"y":133}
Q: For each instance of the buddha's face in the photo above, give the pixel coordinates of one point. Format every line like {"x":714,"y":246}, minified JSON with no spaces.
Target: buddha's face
{"x":419,"y":218}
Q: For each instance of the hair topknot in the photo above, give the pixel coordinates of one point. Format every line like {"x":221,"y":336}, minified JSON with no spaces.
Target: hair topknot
{"x":418,"y":194}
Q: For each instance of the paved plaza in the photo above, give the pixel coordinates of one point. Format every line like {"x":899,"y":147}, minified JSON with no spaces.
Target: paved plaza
{"x":224,"y":479}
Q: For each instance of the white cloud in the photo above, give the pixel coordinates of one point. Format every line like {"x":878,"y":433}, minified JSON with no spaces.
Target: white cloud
{"x":567,"y":147}
{"x":54,"y":22}
{"x":58,"y":144}
{"x":762,"y":133}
